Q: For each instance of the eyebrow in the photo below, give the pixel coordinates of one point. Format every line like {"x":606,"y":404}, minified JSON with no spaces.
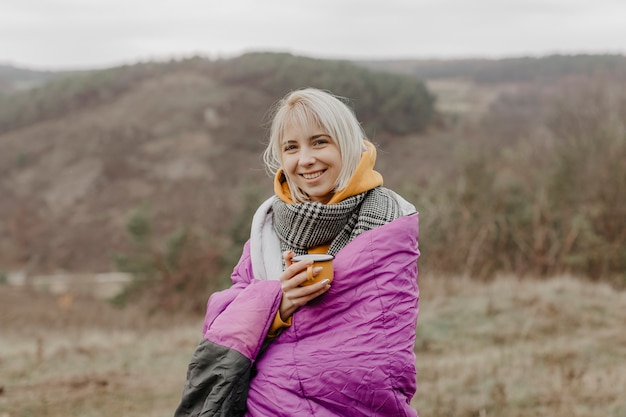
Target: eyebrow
{"x":319,"y":135}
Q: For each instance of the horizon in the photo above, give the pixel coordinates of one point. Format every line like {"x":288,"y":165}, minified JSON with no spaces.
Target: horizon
{"x":166,"y":58}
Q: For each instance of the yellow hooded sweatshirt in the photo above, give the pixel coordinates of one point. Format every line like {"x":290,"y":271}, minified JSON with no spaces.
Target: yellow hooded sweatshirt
{"x":364,"y":179}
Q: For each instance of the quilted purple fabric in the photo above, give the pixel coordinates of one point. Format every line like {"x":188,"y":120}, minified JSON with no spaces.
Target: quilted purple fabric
{"x":348,"y":353}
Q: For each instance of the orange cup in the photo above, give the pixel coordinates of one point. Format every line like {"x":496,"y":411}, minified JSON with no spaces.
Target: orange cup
{"x":319,"y":260}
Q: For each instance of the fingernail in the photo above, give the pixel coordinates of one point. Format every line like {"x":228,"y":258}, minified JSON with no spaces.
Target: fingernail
{"x":326,"y":281}
{"x":317,"y":270}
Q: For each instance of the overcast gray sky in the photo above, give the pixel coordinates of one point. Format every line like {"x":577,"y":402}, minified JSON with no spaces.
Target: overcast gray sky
{"x":63,"y":34}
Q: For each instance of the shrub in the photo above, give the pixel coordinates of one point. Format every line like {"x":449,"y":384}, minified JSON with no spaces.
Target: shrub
{"x":178,"y":275}
{"x":550,"y":201}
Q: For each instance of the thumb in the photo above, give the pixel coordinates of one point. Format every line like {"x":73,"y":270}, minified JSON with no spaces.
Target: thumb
{"x":287,"y":256}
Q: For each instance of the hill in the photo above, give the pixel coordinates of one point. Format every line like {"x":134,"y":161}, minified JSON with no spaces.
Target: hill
{"x":13,"y":79}
{"x":181,"y":139}
{"x":520,"y":176}
{"x":507,"y":70}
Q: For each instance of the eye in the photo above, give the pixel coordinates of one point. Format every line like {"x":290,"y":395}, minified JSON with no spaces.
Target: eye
{"x":289,"y":147}
{"x":321,"y":141}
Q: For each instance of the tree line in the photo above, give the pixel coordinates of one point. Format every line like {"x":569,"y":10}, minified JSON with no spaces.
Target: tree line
{"x":387,"y":104}
{"x":539,"y":188}
{"x":507,"y":70}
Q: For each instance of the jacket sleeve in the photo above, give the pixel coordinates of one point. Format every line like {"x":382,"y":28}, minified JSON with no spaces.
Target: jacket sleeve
{"x":217,"y":383}
{"x":236,"y":323}
{"x":218,"y":301}
{"x":277,"y":325}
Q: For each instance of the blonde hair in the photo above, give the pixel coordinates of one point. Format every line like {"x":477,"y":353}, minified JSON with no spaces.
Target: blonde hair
{"x":321,"y":109}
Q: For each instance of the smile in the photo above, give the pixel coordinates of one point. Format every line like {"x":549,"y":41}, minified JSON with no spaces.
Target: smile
{"x":312,"y":175}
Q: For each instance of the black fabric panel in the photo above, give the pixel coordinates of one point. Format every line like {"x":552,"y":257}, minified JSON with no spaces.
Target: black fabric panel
{"x":217,"y":383}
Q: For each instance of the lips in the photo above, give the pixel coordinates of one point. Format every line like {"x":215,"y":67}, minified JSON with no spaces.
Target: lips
{"x":312,"y":175}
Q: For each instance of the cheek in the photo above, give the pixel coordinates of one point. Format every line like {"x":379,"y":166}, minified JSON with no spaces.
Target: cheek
{"x":289,"y":163}
{"x":337,"y":163}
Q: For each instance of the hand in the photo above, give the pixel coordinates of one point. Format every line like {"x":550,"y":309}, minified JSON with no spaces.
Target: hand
{"x":295,"y":296}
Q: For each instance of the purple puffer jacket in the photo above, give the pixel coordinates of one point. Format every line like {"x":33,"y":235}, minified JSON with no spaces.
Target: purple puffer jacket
{"x":349,"y":352}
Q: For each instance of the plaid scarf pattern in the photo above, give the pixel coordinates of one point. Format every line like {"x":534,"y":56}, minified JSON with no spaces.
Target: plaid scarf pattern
{"x":306,"y":225}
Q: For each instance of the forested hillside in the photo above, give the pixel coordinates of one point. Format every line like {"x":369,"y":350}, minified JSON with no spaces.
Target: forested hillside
{"x":178,"y":143}
{"x":14,"y":79}
{"x":389,"y":104}
{"x":507,"y":70}
{"x":155,"y":167}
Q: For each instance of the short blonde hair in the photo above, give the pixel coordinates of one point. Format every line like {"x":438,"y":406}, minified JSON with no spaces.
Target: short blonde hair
{"x":313,"y":107}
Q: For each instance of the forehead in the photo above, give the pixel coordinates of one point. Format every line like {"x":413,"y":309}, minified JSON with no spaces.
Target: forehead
{"x":298,"y":130}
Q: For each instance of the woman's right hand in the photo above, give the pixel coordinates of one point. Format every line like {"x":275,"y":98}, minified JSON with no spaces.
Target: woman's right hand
{"x":295,"y":296}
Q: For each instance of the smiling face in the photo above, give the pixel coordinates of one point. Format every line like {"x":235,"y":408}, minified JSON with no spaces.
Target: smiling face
{"x":311,"y":160}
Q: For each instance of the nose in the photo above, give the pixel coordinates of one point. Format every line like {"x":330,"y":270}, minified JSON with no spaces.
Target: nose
{"x":307,"y":157}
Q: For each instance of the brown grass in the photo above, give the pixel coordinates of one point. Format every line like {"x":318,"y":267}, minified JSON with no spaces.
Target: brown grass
{"x":506,"y":348}
{"x":521,"y":348}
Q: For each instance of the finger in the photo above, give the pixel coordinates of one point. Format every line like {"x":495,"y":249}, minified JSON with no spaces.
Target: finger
{"x":308,"y":274}
{"x":295,"y":269}
{"x":291,"y":270}
{"x":287,"y":256}
{"x":307,"y":292}
{"x":318,"y":286}
{"x":295,"y":281}
{"x":313,"y":291}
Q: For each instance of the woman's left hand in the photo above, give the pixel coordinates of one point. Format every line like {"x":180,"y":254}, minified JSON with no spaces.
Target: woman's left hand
{"x":295,"y":296}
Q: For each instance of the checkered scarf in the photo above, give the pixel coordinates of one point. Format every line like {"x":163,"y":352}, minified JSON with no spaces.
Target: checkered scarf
{"x":306,"y":225}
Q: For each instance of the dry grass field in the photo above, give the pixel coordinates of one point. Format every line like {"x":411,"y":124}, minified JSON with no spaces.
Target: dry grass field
{"x":507,"y":348}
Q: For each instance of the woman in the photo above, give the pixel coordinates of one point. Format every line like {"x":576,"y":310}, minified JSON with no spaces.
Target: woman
{"x":275,"y":348}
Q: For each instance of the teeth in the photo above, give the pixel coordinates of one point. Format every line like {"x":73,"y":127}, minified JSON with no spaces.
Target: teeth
{"x":312,"y":176}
